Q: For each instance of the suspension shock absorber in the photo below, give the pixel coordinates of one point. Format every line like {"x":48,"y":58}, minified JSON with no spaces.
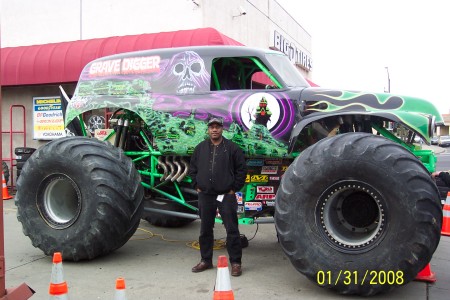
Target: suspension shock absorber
{"x":118,"y":132}
{"x":124,"y":136}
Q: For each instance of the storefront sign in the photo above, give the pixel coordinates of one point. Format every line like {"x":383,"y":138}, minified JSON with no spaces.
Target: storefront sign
{"x":48,"y":121}
{"x":296,"y":55}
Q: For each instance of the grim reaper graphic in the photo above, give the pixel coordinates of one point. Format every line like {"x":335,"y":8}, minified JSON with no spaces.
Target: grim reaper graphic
{"x":184,"y":74}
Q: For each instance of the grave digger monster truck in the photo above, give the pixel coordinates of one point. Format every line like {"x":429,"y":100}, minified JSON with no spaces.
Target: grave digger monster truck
{"x":353,"y":202}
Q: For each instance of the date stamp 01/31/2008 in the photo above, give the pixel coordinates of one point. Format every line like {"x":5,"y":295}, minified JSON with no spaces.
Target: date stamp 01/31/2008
{"x":348,"y":277}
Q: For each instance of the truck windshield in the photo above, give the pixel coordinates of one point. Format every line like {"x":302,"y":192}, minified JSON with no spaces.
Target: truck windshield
{"x":290,"y":75}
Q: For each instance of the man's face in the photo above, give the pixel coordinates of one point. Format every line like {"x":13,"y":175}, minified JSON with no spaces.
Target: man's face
{"x":215,"y":131}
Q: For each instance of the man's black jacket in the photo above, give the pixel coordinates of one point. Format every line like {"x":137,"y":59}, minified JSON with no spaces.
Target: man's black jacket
{"x":218,"y":169}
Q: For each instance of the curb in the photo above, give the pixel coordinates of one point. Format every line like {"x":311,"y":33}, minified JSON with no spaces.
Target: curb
{"x":436,"y":149}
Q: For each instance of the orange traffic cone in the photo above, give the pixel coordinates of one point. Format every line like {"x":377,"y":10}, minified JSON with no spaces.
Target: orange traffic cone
{"x":426,"y":275}
{"x":120,"y":289}
{"x":222,"y":289}
{"x":6,"y":195}
{"x":58,"y":287}
{"x":446,"y":217}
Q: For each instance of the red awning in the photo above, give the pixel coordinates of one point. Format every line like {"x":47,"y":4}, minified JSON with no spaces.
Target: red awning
{"x":63,"y":62}
{"x":311,"y":83}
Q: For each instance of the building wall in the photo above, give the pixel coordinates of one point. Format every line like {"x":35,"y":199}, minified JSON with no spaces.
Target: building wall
{"x":30,"y":22}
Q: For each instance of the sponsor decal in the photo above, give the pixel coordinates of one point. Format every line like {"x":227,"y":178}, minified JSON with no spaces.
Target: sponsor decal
{"x":272,"y":170}
{"x":258,"y":178}
{"x":255,"y":162}
{"x":101,"y":134}
{"x":284,"y":168}
{"x":274,"y":178}
{"x":253,"y":206}
{"x":240,"y":209}
{"x":264,"y":189}
{"x":239,"y":197}
{"x":273,"y":161}
{"x":270,"y":203}
{"x":265,"y":197}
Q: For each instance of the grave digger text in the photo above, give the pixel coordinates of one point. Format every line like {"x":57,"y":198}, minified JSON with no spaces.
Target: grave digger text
{"x":348,"y":277}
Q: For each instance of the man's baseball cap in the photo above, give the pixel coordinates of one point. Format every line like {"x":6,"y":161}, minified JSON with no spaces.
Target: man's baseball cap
{"x":215,"y":121}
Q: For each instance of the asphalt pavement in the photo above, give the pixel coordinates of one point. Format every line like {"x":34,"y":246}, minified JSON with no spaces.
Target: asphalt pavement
{"x":156,"y":264}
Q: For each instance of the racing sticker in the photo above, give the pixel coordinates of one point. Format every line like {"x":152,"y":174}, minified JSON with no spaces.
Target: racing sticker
{"x":255,"y":162}
{"x":257,"y":178}
{"x":271,"y":170}
{"x":253,"y":206}
{"x":274,"y":178}
{"x":264,"y":189}
{"x":265,"y":197}
{"x":273,"y":161}
{"x":239,"y":197}
{"x":270,"y":203}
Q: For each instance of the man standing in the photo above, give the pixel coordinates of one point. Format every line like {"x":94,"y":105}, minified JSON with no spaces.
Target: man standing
{"x":218,"y":170}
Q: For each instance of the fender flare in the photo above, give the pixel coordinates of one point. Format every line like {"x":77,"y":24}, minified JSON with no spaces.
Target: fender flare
{"x":312,"y":118}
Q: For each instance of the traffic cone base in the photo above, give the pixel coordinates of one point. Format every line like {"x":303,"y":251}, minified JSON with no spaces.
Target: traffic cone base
{"x":6,"y":195}
{"x":446,"y":217}
{"x":222,"y":289}
{"x":58,"y":287}
{"x":426,"y":275}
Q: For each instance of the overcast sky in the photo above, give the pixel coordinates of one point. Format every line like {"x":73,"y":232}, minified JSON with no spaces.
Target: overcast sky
{"x":353,"y":41}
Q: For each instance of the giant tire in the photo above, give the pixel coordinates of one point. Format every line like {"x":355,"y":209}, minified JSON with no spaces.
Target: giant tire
{"x":79,"y":196}
{"x":358,"y":204}
{"x":162,"y":220}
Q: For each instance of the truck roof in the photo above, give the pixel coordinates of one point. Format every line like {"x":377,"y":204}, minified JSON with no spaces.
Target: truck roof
{"x":222,"y":51}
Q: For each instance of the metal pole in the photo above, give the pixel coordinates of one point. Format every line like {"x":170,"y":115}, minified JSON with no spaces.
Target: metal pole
{"x":389,"y":80}
{"x":2,"y":236}
{"x":22,"y":291}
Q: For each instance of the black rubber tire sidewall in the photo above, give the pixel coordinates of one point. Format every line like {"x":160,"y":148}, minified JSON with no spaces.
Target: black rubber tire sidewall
{"x":111,"y":197}
{"x":413,"y":210}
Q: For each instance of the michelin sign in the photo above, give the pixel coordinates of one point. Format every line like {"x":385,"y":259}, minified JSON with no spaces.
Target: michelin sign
{"x":48,"y":121}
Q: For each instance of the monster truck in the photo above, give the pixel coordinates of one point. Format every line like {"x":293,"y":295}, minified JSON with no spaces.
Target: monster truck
{"x":337,"y":171}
